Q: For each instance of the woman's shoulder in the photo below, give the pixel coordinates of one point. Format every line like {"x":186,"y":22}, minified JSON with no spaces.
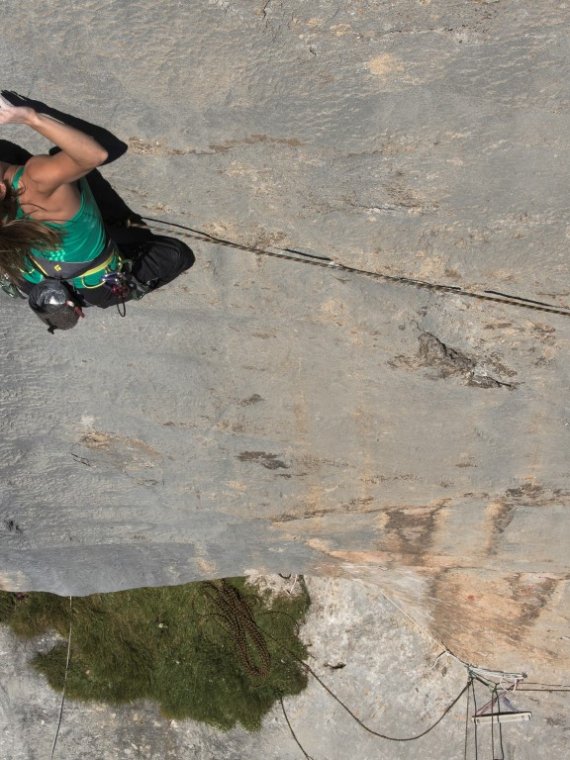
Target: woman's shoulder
{"x":59,"y":205}
{"x":13,"y":172}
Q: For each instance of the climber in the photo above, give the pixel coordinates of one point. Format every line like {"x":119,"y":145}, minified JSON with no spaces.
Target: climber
{"x":52,"y":235}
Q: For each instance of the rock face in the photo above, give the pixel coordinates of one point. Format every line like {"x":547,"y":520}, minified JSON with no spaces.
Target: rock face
{"x":266,"y":414}
{"x":377,"y":661}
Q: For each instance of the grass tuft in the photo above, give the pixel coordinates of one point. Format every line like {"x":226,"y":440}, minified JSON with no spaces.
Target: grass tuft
{"x":217,"y":652}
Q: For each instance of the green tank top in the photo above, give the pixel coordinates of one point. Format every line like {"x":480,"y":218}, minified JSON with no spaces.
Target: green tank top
{"x":84,"y":238}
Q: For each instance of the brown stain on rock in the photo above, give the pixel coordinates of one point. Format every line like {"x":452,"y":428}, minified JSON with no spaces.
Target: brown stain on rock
{"x":405,"y":536}
{"x":362,"y":505}
{"x":384,"y":65}
{"x":532,"y":493}
{"x":265,"y":459}
{"x":126,"y":455}
{"x":501,"y":511}
{"x":499,"y":515}
{"x":131,"y":457}
{"x":410,"y":532}
{"x":533,"y":593}
{"x":155,"y":148}
{"x":256,"y":139}
{"x":254,"y":399}
{"x":483,"y":615}
{"x":95,"y":439}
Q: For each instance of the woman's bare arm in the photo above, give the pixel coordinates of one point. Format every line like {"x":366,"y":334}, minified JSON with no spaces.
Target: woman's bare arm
{"x":79,"y":155}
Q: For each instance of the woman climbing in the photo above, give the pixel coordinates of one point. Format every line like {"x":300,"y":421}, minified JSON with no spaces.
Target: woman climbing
{"x":52,"y":237}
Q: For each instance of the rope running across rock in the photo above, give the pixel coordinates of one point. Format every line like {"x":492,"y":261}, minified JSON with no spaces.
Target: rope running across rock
{"x":326,"y":263}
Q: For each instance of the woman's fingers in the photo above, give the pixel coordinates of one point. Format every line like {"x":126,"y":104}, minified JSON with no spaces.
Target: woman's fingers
{"x":14,"y":98}
{"x":10,"y":114}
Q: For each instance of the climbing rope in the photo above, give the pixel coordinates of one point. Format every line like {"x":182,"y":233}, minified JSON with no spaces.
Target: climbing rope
{"x":293,"y":734}
{"x":466,"y":726}
{"x":289,"y":254}
{"x":472,"y":682}
{"x":347,"y":709}
{"x":55,"y":738}
{"x":240,"y":624}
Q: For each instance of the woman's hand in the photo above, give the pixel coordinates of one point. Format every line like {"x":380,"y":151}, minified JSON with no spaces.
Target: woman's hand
{"x":10,"y":114}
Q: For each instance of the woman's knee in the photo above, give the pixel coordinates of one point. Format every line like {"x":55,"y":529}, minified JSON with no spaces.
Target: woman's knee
{"x":163,"y":260}
{"x":187,"y":255}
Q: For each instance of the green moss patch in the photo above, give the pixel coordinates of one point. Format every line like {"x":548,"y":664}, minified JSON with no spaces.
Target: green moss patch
{"x":219,"y":652}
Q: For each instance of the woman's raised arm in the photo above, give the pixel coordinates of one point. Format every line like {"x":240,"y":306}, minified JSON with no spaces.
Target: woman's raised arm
{"x":79,"y":155}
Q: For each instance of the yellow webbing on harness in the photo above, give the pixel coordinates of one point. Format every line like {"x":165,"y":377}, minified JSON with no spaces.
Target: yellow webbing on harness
{"x":100,"y":268}
{"x":96,"y":269}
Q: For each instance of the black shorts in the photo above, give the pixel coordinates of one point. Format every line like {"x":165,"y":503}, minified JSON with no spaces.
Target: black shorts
{"x":156,"y":261}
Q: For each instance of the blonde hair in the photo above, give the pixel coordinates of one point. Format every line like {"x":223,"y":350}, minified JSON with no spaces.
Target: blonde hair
{"x":19,"y":236}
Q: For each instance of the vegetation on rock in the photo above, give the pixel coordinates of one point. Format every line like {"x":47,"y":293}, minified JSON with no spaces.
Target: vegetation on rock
{"x":219,"y":652}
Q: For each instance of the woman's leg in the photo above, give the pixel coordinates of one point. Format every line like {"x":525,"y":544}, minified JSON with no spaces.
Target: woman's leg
{"x":160,"y":260}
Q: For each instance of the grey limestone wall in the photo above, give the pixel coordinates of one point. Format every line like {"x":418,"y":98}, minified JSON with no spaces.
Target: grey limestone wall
{"x":264,"y":414}
{"x":394,"y":677}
